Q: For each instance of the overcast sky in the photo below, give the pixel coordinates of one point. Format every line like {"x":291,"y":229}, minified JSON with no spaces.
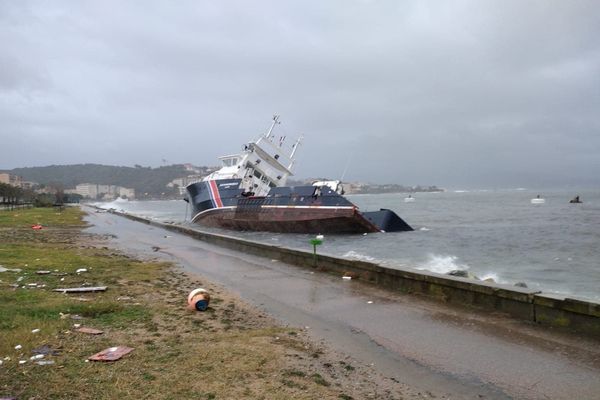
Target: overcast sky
{"x":473,"y":93}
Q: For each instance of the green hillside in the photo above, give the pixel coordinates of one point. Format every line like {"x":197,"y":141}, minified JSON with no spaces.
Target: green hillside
{"x":143,"y":179}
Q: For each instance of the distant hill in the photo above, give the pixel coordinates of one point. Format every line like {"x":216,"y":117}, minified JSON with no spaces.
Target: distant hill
{"x":143,"y":179}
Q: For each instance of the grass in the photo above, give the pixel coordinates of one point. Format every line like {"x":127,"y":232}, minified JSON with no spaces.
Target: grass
{"x":179,"y":354}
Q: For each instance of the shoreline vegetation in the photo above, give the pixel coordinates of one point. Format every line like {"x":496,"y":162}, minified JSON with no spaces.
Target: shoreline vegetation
{"x":232,"y":350}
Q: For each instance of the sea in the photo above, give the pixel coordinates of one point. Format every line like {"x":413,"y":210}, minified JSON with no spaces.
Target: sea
{"x":499,"y":234}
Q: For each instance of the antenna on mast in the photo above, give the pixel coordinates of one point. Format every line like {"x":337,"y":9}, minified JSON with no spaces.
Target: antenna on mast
{"x":275,"y":122}
{"x":294,"y":148}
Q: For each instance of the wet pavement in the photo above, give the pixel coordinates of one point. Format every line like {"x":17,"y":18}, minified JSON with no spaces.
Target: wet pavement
{"x":424,"y":344}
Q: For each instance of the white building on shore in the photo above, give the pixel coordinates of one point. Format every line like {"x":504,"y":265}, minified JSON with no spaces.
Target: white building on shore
{"x":98,"y":191}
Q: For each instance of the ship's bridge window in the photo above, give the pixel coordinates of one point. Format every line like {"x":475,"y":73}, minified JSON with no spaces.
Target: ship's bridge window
{"x":229,"y":162}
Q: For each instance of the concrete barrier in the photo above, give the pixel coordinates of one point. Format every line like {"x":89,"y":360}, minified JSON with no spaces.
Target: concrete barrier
{"x":531,"y":305}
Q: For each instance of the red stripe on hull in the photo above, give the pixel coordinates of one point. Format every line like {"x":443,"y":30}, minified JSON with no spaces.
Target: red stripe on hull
{"x":215,"y":192}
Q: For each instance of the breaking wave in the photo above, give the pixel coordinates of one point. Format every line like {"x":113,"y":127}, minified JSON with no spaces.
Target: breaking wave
{"x":357,"y":256}
{"x":442,"y":264}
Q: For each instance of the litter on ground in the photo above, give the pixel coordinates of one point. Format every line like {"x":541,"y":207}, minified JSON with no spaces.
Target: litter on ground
{"x":45,"y":350}
{"x":82,"y":289}
{"x":111,"y":354}
{"x":90,"y":331}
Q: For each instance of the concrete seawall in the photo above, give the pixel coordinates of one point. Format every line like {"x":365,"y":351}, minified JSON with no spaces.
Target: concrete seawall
{"x":545,"y":309}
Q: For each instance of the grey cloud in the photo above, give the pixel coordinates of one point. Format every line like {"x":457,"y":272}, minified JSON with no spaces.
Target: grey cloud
{"x":452,"y":93}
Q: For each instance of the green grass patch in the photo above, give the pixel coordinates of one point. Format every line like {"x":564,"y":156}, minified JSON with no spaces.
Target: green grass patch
{"x":47,"y":217}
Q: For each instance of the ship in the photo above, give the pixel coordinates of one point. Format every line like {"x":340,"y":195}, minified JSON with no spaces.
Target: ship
{"x":249,"y":193}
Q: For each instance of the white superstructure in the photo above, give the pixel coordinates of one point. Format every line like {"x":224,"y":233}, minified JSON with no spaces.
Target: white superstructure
{"x":263,"y":164}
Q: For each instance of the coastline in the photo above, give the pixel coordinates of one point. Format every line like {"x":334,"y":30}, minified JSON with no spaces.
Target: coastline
{"x":556,"y":311}
{"x":449,"y":350}
{"x":232,"y":350}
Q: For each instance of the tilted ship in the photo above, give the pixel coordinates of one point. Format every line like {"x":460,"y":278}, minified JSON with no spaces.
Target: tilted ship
{"x":249,"y":193}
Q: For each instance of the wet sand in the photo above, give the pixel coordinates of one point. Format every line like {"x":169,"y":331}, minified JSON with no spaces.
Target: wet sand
{"x":446,"y":351}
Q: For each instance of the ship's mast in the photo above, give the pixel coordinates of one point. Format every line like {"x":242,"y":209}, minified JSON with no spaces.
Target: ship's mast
{"x":294,"y":148}
{"x":275,"y":122}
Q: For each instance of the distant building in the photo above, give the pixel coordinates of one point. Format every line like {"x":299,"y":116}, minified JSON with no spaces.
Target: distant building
{"x":10,"y":179}
{"x":181,"y":183}
{"x":98,"y":191}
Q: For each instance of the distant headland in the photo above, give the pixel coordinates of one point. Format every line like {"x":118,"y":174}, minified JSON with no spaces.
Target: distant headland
{"x":107,"y":182}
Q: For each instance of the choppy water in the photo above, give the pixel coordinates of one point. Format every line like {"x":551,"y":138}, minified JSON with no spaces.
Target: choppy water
{"x":554,"y":247}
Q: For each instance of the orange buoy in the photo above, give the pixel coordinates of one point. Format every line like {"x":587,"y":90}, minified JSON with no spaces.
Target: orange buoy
{"x":198,"y":299}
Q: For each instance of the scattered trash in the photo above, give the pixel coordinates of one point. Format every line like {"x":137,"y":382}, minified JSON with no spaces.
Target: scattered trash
{"x":80,"y":270}
{"x":37,"y":357}
{"x":1,"y":362}
{"x":45,"y":362}
{"x":21,"y":362}
{"x":369,"y":302}
{"x":62,"y":279}
{"x":18,"y":347}
{"x":42,"y":272}
{"x":274,"y":260}
{"x":45,"y":350}
{"x":111,"y":354}
{"x":198,"y":299}
{"x":64,"y":316}
{"x":36,"y":227}
{"x":36,"y":330}
{"x":82,"y":289}
{"x":346,"y":278}
{"x":32,"y":284}
{"x":90,"y":331}
{"x":4,"y":269}
{"x":76,"y":317}
{"x":167,"y":236}
{"x":76,"y":325}
{"x":19,"y":279}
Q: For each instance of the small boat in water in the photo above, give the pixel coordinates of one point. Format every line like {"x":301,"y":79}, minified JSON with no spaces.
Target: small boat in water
{"x":575,"y":200}
{"x":249,"y":193}
{"x":409,"y":199}
{"x":538,"y":200}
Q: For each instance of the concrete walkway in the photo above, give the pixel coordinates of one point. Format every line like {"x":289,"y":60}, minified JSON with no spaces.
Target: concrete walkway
{"x":448,"y":352}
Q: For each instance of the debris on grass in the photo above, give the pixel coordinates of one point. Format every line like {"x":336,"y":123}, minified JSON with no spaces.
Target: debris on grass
{"x":80,"y":270}
{"x":4,"y":269}
{"x":36,"y":330}
{"x":18,"y":347}
{"x":111,"y":354}
{"x":82,"y":289}
{"x":45,"y":362}
{"x":90,"y":331}
{"x":42,"y":272}
{"x":45,"y":350}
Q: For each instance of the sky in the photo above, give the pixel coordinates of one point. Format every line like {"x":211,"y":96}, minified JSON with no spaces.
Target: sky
{"x":467,"y":93}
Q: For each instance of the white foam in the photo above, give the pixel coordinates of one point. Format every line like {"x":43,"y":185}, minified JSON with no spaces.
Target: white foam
{"x":424,"y":229}
{"x":357,"y":256}
{"x":442,"y":264}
